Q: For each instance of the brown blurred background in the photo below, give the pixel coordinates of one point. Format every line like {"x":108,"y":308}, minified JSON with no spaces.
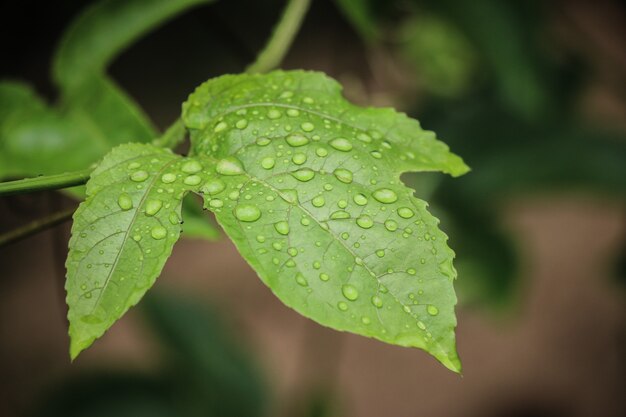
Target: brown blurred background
{"x":541,"y":248}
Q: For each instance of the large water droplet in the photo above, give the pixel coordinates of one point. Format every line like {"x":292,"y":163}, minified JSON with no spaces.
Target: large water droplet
{"x":191,"y":167}
{"x":391,"y":225}
{"x":343,"y":175}
{"x":340,"y":214}
{"x":274,"y":114}
{"x":318,"y":201}
{"x":282,"y":227}
{"x":139,"y":176}
{"x":405,"y":212}
{"x":385,"y":195}
{"x":299,"y":158}
{"x":341,"y":144}
{"x":220,"y":127}
{"x":125,"y":202}
{"x":229,"y":166}
{"x":214,"y":186}
{"x":192,"y":180}
{"x":307,"y":126}
{"x":241,"y":124}
{"x":304,"y":174}
{"x":350,"y":292}
{"x":301,"y":280}
{"x":247,"y":213}
{"x":158,"y":232}
{"x":153,"y":207}
{"x":377,"y":301}
{"x":360,"y":199}
{"x":365,"y":221}
{"x":262,"y":141}
{"x":168,"y":178}
{"x":268,"y":162}
{"x":297,"y":139}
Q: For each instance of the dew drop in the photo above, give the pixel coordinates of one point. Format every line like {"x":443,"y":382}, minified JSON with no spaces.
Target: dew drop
{"x":307,"y":126}
{"x":342,"y":204}
{"x":297,"y":140}
{"x":216,"y":203}
{"x":321,"y":152}
{"x":301,"y":280}
{"x":174,"y":219}
{"x":432,"y":310}
{"x":385,"y":195}
{"x":365,"y":320}
{"x":290,"y":196}
{"x":304,"y":174}
{"x":241,"y":124}
{"x":318,"y":201}
{"x":268,"y":162}
{"x":360,"y":199}
{"x":364,"y":137}
{"x":343,"y":175}
{"x":350,"y":292}
{"x":299,"y":158}
{"x":377,"y":301}
{"x":365,"y":221}
{"x":158,"y":232}
{"x":324,"y":277}
{"x":153,"y":207}
{"x":341,"y":144}
{"x":191,"y":167}
{"x":139,"y":176}
{"x":274,"y":114}
{"x":214,"y":186}
{"x":282,"y":227}
{"x":229,"y":166}
{"x":220,"y":127}
{"x":168,"y":178}
{"x":405,"y":212}
{"x":262,"y":141}
{"x":342,"y":306}
{"x":339,"y":215}
{"x":247,"y":213}
{"x":125,"y":202}
{"x":376,"y":154}
{"x":192,"y":180}
{"x":380,"y":253}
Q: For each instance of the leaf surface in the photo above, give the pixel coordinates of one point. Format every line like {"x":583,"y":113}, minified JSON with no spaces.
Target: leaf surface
{"x":121,"y":236}
{"x":308,"y":188}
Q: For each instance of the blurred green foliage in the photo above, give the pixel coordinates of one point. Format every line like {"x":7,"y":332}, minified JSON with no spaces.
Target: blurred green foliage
{"x":202,"y":372}
{"x":497,"y":96}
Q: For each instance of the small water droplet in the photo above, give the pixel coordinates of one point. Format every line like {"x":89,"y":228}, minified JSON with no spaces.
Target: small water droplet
{"x":321,"y":152}
{"x":299,"y":158}
{"x":139,"y":176}
{"x":192,"y":180}
{"x":304,"y":174}
{"x":343,"y":175}
{"x":229,"y":166}
{"x":341,"y":144}
{"x":365,"y":221}
{"x":377,"y":301}
{"x":301,"y":280}
{"x":365,"y":320}
{"x":168,"y":178}
{"x":376,"y":154}
{"x":153,"y":207}
{"x":380,"y":253}
{"x":350,"y":292}
{"x":282,"y":227}
{"x":364,"y":137}
{"x":274,"y":114}
{"x":125,"y":202}
{"x":432,"y":310}
{"x":220,"y":127}
{"x":342,"y":306}
{"x":214,"y":186}
{"x":191,"y":167}
{"x":262,"y":141}
{"x":297,"y":140}
{"x":307,"y":126}
{"x":360,"y":199}
{"x":324,"y":277}
{"x":385,"y":195}
{"x":405,"y":212}
{"x":318,"y":201}
{"x":340,"y":214}
{"x":268,"y":162}
{"x":247,"y":213}
{"x":158,"y":232}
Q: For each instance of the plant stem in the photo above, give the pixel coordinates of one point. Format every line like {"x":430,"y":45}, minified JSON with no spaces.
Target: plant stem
{"x":172,"y":137}
{"x":282,"y":37}
{"x":45,"y":182}
{"x":36,"y":226}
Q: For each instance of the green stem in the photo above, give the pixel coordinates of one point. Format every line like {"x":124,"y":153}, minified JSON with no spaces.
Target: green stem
{"x":36,"y":226}
{"x":45,"y":182}
{"x":282,"y":37}
{"x":172,"y":137}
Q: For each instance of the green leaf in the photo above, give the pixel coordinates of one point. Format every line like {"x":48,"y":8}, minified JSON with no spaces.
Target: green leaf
{"x":103,"y":31}
{"x":121,"y":237}
{"x":309,"y":190}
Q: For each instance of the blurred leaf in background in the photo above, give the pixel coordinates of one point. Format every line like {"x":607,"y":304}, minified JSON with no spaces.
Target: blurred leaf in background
{"x":497,"y":92}
{"x":93,"y":114}
{"x":203,"y":372}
